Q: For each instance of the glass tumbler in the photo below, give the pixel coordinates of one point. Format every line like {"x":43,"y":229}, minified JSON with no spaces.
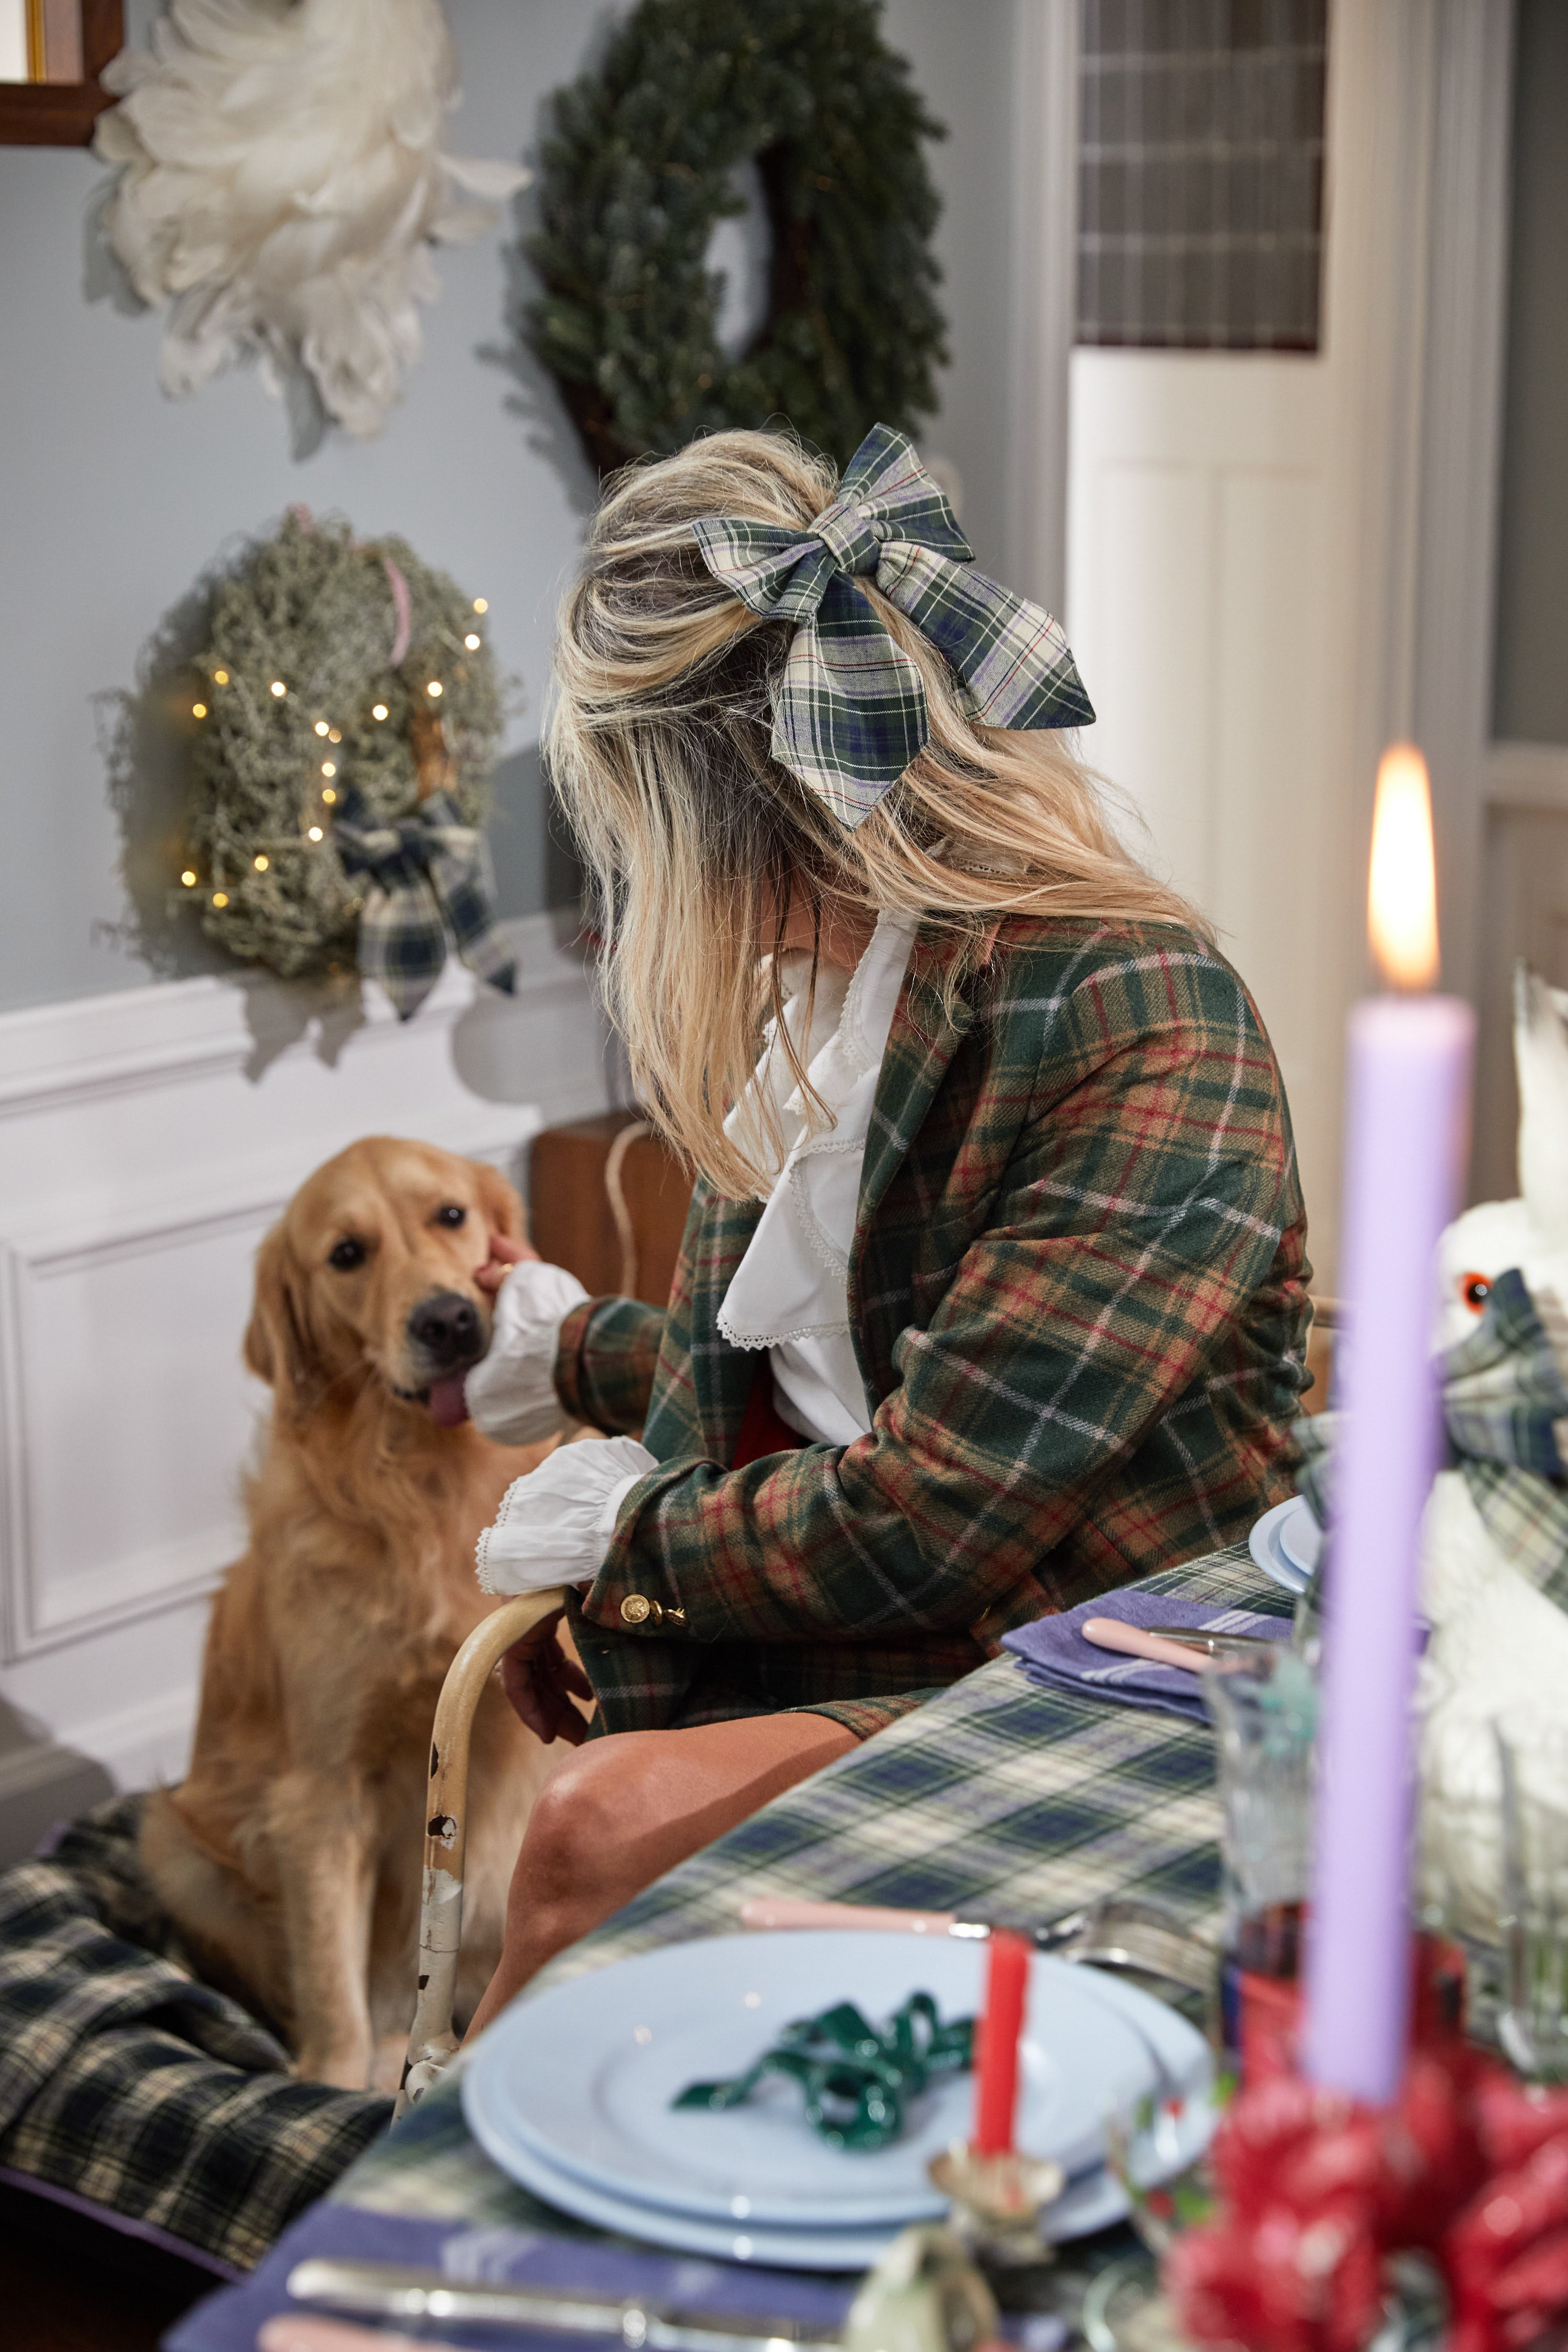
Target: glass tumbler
{"x":1265,"y":1713}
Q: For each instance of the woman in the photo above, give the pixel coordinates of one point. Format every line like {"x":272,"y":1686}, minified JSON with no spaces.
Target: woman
{"x":992,"y":1292}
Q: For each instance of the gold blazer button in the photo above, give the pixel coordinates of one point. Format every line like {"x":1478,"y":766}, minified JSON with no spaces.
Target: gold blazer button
{"x":637,"y":1609}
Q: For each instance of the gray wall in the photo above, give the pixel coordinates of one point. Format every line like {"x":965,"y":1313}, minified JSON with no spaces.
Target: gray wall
{"x":1532,"y":671}
{"x":113,"y":500}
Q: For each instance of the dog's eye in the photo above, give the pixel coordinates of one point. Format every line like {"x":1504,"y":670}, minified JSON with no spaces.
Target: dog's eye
{"x":347,"y":1256}
{"x":451,"y":1214}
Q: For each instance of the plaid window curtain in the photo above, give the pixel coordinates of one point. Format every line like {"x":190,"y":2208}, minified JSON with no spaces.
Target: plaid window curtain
{"x":1201,"y":173}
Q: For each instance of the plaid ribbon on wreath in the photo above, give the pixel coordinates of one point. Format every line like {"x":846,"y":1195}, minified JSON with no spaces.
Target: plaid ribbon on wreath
{"x":851,"y":712}
{"x":427,"y":877}
{"x":1505,"y":1410}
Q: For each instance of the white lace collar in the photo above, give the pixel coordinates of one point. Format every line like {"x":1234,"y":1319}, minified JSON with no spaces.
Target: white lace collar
{"x":791,"y":1283}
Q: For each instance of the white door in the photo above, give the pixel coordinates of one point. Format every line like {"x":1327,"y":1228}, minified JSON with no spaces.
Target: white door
{"x":1242,"y":582}
{"x":1198,"y":593}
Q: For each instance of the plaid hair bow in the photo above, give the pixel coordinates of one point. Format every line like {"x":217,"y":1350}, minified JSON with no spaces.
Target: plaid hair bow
{"x":426,"y":876}
{"x":851,"y":712}
{"x":1505,"y":1411}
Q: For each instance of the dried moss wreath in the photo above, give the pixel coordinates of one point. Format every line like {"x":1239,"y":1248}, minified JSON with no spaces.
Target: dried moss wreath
{"x":639,"y":174}
{"x":348,"y":712}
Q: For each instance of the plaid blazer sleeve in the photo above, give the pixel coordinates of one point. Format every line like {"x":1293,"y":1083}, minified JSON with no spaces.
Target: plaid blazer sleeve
{"x":605,"y":1360}
{"x":1144,"y":1191}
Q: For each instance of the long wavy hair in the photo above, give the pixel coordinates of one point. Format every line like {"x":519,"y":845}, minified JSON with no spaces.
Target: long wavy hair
{"x":698,"y":843}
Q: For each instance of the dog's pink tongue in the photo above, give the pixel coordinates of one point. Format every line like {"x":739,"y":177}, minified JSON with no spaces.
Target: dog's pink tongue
{"x":447,"y":1404}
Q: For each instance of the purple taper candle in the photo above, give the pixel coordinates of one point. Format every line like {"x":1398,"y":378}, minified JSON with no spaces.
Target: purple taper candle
{"x":1406,"y":1127}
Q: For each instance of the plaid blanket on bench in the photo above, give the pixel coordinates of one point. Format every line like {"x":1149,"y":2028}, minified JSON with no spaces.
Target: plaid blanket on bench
{"x":126,"y":2083}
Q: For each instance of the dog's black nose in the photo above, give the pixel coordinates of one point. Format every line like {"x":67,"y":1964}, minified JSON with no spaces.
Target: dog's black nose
{"x":445,"y":1328}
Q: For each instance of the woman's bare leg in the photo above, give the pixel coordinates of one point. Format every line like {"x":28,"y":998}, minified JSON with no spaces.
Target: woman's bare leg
{"x":628,"y":1807}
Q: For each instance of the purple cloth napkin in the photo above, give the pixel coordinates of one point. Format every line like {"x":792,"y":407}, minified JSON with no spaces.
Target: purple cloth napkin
{"x":496,"y":2255}
{"x":1054,"y":1656}
{"x":492,"y":2255}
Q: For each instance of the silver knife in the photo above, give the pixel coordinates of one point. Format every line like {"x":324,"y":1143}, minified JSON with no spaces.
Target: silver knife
{"x":392,"y":2291}
{"x":1222,"y":1644}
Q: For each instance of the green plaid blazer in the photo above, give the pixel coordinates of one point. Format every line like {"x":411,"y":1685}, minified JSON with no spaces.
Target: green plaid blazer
{"x":1077,"y":1298}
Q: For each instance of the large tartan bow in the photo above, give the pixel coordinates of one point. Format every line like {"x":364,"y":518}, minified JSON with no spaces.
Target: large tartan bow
{"x":426,"y":876}
{"x":851,"y":712}
{"x":1505,"y":1411}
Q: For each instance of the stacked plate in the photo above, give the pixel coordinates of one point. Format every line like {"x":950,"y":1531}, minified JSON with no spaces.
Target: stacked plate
{"x":1285,"y":1543}
{"x":572,"y":2094}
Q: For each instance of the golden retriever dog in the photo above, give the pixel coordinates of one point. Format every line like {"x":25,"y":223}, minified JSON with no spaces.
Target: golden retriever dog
{"x":290,"y":1854}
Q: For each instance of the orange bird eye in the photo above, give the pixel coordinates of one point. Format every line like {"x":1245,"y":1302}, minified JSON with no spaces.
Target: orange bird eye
{"x":1475,"y":1290}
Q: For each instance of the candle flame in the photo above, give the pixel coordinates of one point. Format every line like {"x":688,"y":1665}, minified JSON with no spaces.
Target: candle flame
{"x":1402,"y":894}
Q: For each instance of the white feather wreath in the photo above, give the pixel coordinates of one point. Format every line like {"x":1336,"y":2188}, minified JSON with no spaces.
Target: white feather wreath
{"x":281,"y":176}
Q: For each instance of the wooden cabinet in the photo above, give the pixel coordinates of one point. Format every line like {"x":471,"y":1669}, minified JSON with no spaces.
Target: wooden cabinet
{"x":609,"y":1204}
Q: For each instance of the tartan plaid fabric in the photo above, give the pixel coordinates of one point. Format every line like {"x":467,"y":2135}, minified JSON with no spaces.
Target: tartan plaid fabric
{"x":606,"y":1356}
{"x":126,"y":2081}
{"x":851,"y":712}
{"x":995,"y":1801}
{"x":1526,"y":1518}
{"x":1504,"y":1395}
{"x":1201,"y":173}
{"x":1505,"y":1407}
{"x":1077,"y":1288}
{"x":425,"y":877}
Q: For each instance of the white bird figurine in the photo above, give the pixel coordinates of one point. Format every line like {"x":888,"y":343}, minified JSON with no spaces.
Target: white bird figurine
{"x":280,"y":180}
{"x":1497,"y":1655}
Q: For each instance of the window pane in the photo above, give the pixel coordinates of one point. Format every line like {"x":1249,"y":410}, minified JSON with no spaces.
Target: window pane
{"x":1201,"y":173}
{"x":1532,"y":687}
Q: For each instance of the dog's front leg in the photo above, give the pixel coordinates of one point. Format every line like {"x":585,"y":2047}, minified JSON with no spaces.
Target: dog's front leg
{"x":322,"y":1837}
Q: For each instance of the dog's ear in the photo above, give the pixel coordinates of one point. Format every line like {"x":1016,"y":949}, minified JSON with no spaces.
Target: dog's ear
{"x":501,"y":1205}
{"x":278,"y":1347}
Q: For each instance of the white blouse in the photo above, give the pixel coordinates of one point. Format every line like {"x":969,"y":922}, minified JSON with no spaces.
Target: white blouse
{"x":789,"y":1294}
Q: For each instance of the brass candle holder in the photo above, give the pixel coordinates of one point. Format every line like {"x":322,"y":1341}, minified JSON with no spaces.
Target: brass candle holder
{"x":997,"y":2200}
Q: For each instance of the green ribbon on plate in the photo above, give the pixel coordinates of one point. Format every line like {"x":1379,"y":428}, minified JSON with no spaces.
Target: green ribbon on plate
{"x":856,"y":2076}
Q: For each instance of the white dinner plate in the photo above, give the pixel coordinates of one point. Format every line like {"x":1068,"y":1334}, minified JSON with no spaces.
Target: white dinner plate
{"x":1285,"y":1544}
{"x":1092,"y":2204}
{"x":1301,"y":1538}
{"x":571,"y":2092}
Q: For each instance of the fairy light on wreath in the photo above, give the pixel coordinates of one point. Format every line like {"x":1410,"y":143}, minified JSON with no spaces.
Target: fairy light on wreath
{"x":345,"y":715}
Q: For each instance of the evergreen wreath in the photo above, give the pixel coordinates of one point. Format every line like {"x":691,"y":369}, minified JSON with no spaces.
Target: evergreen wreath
{"x":339,"y":676}
{"x":639,"y":174}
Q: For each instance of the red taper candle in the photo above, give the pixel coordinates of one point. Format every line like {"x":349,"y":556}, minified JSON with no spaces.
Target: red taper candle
{"x":1001,"y":2029}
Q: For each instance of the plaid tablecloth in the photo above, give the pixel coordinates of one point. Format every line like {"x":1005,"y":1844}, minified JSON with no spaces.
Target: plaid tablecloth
{"x":156,"y":2101}
{"x":997,"y":1798}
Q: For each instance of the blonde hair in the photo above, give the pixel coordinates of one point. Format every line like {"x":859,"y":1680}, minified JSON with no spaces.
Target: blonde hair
{"x":658,"y":748}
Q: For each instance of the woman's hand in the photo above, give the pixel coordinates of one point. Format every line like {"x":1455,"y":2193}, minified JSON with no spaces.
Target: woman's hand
{"x":541,"y":1681}
{"x":504,"y":1254}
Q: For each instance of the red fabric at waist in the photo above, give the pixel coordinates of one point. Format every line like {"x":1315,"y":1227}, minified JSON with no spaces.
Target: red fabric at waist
{"x":762,"y":1430}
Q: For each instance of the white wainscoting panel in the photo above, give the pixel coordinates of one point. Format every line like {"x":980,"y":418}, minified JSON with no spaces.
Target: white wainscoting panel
{"x":114,"y":1345}
{"x":147,"y":1141}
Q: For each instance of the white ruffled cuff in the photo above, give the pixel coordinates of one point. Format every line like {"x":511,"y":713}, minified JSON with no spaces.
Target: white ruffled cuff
{"x":555,"y":1526}
{"x":511,"y":1392}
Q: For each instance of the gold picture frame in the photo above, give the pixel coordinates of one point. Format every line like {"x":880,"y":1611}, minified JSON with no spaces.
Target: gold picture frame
{"x":69,"y":42}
